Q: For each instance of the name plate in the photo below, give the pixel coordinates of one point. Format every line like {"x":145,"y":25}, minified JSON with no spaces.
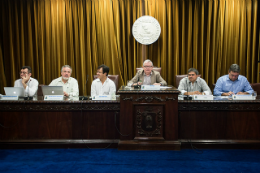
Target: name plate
{"x":243,"y":97}
{"x":53,"y":97}
{"x":102,"y":97}
{"x":202,"y":97}
{"x":6,"y":97}
{"x":150,"y":87}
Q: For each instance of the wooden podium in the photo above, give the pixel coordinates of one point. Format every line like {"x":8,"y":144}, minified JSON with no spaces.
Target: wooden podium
{"x":148,"y":119}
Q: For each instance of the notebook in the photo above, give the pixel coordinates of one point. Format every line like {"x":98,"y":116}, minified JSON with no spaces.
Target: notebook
{"x":52,"y":90}
{"x":14,"y":91}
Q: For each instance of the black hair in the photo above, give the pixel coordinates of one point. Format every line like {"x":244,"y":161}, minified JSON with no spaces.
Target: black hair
{"x":193,"y":70}
{"x":105,"y":68}
{"x":235,"y":68}
{"x":27,"y":67}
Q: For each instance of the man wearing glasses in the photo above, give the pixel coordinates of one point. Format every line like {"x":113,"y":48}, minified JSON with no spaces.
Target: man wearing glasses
{"x":147,"y":76}
{"x":70,"y":84}
{"x":29,"y":84}
{"x":193,"y":84}
{"x":233,"y":83}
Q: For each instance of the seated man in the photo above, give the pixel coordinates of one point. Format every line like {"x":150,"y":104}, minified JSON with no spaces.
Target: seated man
{"x":147,"y":76}
{"x":29,"y":84}
{"x":233,"y":83}
{"x":193,"y":84}
{"x":70,"y":84}
{"x":102,"y":85}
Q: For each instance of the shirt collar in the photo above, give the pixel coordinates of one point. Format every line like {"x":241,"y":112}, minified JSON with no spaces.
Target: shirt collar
{"x":100,"y":80}
{"x":149,"y":75}
{"x":196,"y":81}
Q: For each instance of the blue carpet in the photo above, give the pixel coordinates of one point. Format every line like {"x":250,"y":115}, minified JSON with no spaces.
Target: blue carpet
{"x":113,"y":160}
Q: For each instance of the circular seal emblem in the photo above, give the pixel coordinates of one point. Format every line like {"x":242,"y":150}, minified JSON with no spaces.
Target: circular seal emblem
{"x":146,"y":30}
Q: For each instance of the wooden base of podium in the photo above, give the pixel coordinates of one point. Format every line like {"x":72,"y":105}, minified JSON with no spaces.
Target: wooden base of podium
{"x":148,"y":145}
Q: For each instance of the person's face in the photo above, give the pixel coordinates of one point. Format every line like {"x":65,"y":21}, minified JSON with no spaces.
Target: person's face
{"x":66,"y":72}
{"x":233,"y":75}
{"x":100,"y":74}
{"x":192,"y":76}
{"x":24,"y":72}
{"x":147,"y":68}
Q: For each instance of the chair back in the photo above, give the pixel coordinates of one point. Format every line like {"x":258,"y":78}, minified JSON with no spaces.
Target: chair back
{"x":256,"y":87}
{"x":178,"y":78}
{"x":39,"y":92}
{"x":158,"y":69}
{"x":114,"y":78}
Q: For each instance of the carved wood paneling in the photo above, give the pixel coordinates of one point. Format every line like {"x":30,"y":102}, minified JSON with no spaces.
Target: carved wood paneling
{"x":58,"y":106}
{"x":149,"y":99}
{"x":220,"y":107}
{"x":149,"y":121}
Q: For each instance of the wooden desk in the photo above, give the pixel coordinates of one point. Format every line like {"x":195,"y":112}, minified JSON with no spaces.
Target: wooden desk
{"x":149,"y":119}
{"x":59,"y":123}
{"x":222,"y":124}
{"x":210,"y":124}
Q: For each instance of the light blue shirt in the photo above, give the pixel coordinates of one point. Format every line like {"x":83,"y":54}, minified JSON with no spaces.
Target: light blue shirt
{"x":225,"y":85}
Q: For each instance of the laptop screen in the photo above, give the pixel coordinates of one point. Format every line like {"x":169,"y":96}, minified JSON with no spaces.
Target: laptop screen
{"x":14,"y":91}
{"x":52,"y":90}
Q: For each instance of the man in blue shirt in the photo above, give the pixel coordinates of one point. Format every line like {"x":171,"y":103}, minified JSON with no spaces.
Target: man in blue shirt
{"x":233,"y":83}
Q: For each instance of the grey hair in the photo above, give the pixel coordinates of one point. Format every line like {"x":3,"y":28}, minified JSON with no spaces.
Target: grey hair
{"x":193,"y":70}
{"x":66,"y":66}
{"x":234,"y":68}
{"x":148,"y":61}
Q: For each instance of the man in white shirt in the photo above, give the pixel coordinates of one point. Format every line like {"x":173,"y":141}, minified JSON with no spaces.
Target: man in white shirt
{"x":193,"y":84}
{"x":70,"y":84}
{"x":29,"y":84}
{"x":102,"y":85}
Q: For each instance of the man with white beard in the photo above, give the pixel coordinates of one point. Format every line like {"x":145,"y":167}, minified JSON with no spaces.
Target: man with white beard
{"x":70,"y":84}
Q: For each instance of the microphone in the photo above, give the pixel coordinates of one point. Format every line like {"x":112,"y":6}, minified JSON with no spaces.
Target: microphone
{"x":83,"y":97}
{"x":187,"y":97}
{"x":28,"y":97}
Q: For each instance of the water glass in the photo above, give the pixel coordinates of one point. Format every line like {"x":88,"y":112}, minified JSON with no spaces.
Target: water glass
{"x":113,"y":95}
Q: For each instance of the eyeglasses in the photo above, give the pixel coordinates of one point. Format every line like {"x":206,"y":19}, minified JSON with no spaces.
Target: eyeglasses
{"x":148,"y":66}
{"x":191,"y":74}
{"x":234,"y":75}
{"x":23,"y":73}
{"x":66,"y":71}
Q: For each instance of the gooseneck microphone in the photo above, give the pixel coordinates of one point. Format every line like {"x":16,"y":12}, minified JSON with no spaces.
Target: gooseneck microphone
{"x":83,"y":97}
{"x":188,"y":96}
{"x":28,"y":96}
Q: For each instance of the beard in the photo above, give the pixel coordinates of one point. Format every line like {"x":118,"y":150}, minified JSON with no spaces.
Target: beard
{"x":65,"y":78}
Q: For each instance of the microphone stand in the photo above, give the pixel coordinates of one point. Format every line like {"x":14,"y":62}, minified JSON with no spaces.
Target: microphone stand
{"x":28,"y":97}
{"x":188,"y":96}
{"x":83,"y":97}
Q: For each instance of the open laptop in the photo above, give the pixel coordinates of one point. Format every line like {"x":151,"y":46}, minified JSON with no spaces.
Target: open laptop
{"x":14,"y":91}
{"x":52,"y":90}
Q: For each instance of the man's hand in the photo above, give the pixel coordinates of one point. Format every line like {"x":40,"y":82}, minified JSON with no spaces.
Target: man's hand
{"x":242,"y":93}
{"x":228,"y":94}
{"x":25,"y":79}
{"x":157,"y":84}
{"x":138,"y":83}
{"x":65,"y":94}
{"x":193,"y":93}
{"x":196,"y":93}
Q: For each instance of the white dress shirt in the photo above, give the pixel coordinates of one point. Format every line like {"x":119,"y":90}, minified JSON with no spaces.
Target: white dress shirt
{"x":98,"y":89}
{"x":32,"y":86}
{"x":71,"y":86}
{"x":199,"y":85}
